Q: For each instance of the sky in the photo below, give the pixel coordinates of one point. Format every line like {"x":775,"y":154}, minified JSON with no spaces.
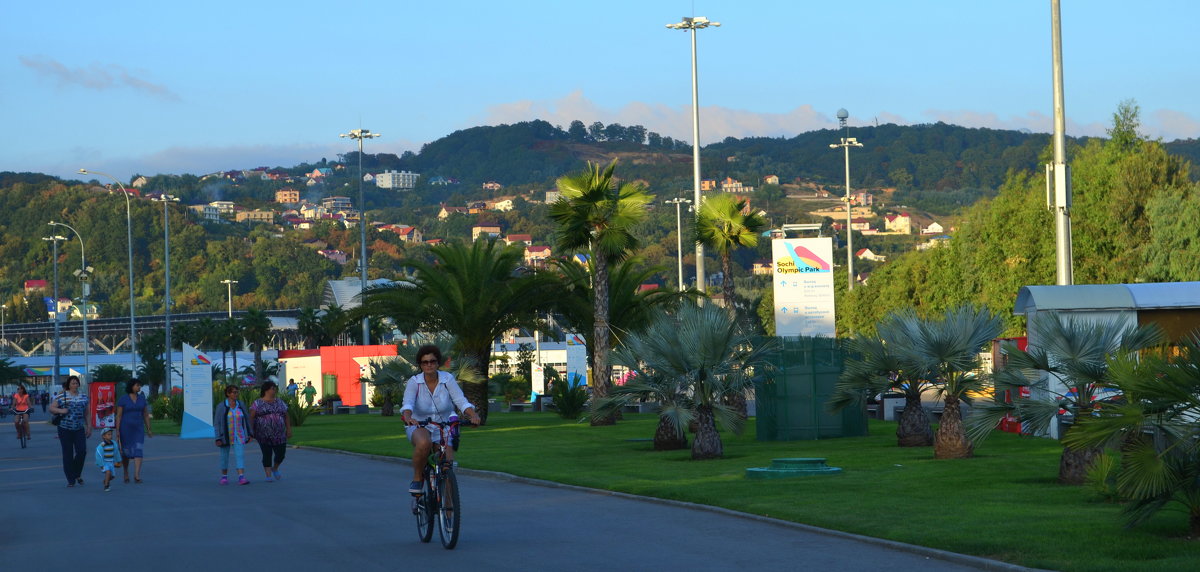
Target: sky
{"x":135,"y":87}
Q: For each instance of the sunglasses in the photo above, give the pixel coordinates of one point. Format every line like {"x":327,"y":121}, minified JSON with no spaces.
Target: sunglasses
{"x":428,"y":362}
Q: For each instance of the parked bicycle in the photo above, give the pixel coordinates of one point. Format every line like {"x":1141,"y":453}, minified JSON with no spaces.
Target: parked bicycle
{"x":439,"y":501}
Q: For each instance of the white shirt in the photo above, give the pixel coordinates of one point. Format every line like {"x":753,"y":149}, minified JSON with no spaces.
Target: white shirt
{"x":439,"y":404}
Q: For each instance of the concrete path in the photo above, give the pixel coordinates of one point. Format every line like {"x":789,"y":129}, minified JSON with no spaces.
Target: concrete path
{"x":346,"y":512}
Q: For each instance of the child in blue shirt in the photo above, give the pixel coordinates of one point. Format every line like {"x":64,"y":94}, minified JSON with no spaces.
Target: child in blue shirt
{"x":108,"y":456}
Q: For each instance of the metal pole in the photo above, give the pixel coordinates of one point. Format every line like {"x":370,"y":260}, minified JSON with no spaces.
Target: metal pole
{"x":3,"y":319}
{"x":1060,"y":169}
{"x":229,"y":289}
{"x":57,"y":344}
{"x":129,"y":239}
{"x":84,"y":275}
{"x":679,"y":236}
{"x":167,"y":303}
{"x":849,"y":222}
{"x":362,"y":223}
{"x":701,"y":281}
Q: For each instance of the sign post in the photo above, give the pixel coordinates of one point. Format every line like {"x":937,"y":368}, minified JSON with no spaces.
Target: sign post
{"x":197,"y":395}
{"x":803,"y":279}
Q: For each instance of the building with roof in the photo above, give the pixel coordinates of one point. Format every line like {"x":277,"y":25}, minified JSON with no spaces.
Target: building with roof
{"x":397,"y":180}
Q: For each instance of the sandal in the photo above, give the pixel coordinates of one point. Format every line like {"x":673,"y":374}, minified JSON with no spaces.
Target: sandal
{"x":127,"y":480}
{"x":137,"y":480}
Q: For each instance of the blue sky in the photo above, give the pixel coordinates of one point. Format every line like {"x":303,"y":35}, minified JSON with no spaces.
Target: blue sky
{"x":170,"y":87}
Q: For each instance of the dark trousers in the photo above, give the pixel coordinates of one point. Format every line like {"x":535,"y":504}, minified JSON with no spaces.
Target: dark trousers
{"x":74,"y":450}
{"x":272,"y":451}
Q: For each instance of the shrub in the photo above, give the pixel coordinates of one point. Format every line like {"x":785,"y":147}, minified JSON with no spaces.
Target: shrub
{"x":517,"y":389}
{"x":297,"y":412}
{"x":570,"y":398}
{"x":168,"y":407}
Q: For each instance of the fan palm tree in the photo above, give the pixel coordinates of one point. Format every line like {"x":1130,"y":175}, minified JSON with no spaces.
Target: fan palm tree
{"x":690,"y":359}
{"x":308,"y":325}
{"x":725,"y":223}
{"x":875,"y":369}
{"x":231,"y":339}
{"x":1066,"y":370}
{"x":596,"y":215}
{"x":389,"y":377}
{"x":256,"y":329}
{"x":470,"y":292}
{"x":1154,"y":426}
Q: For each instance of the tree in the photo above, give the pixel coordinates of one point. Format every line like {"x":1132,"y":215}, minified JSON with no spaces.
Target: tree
{"x":725,"y":224}
{"x":596,"y":215}
{"x":150,"y":349}
{"x":9,"y":373}
{"x":473,"y":293}
{"x":596,"y":131}
{"x":112,"y":373}
{"x":256,"y":329}
{"x":389,"y":377}
{"x":876,"y":369}
{"x":309,"y":326}
{"x":577,"y":132}
{"x":1153,"y":426}
{"x":1066,"y":370}
{"x":693,"y":357}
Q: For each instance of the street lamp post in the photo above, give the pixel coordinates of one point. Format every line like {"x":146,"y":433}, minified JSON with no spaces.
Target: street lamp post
{"x":165,"y":200}
{"x":57,"y":347}
{"x":84,"y":275}
{"x":679,"y":234}
{"x":129,"y":238}
{"x":359,"y":135}
{"x":693,"y":24}
{"x":1059,"y":169}
{"x":229,"y":288}
{"x":3,"y":319}
{"x":846,"y":144}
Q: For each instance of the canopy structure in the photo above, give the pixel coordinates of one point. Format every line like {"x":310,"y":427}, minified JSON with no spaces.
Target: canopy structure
{"x":1175,"y":306}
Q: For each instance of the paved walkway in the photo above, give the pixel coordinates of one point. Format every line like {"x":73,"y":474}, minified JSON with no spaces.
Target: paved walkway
{"x":334,"y":511}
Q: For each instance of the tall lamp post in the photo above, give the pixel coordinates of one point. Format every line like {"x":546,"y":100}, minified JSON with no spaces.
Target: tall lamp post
{"x":693,"y":24}
{"x":229,"y":288}
{"x":679,"y":234}
{"x":84,"y":275}
{"x":846,"y":144}
{"x":3,"y":319}
{"x":165,"y":200}
{"x":129,"y":238}
{"x":359,"y":135}
{"x":57,"y":347}
{"x":1059,"y":169}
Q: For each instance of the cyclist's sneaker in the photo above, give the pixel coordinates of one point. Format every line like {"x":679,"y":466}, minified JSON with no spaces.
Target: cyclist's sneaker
{"x":416,"y":487}
{"x":242,"y":480}
{"x":224,"y":480}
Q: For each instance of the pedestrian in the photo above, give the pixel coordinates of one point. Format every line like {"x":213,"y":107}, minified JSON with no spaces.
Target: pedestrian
{"x":232,"y":432}
{"x":73,"y":429}
{"x":292,"y":388}
{"x":271,"y":427}
{"x":133,"y":426}
{"x":45,"y":399}
{"x":309,"y":392}
{"x":108,"y":456}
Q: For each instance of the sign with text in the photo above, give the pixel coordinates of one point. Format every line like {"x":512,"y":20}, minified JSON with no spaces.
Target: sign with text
{"x":803,"y":278}
{"x":197,"y":395}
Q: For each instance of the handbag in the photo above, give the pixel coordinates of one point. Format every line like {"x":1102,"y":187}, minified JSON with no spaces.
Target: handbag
{"x":57,"y":418}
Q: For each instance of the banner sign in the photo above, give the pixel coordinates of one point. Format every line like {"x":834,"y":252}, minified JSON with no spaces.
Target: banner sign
{"x":197,"y":395}
{"x":803,"y":277}
{"x":102,"y":404}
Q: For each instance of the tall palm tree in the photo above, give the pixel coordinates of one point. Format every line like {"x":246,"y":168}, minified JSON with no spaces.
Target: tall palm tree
{"x":308,"y":325}
{"x":1153,"y":425}
{"x":691,"y":358}
{"x":231,"y":339}
{"x":596,"y":215}
{"x":1075,"y":353}
{"x":256,"y":329}
{"x":725,"y":223}
{"x":470,"y":292}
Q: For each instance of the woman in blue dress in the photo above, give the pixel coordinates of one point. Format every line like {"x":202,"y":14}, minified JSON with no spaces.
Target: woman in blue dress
{"x":133,"y":426}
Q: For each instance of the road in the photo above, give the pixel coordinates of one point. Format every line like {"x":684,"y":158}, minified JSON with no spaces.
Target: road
{"x":335,"y":511}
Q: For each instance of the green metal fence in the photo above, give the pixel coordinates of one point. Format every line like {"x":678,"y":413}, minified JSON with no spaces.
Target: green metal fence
{"x":791,"y":404}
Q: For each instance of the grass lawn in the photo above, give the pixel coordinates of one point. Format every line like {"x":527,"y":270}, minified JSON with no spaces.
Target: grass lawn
{"x":1002,"y":504}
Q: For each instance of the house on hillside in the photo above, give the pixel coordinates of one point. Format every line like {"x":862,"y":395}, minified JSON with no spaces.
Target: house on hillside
{"x":935,"y":242}
{"x":397,"y":180}
{"x":408,"y":233}
{"x":206,"y":212}
{"x":140,"y":182}
{"x":255,"y":216}
{"x":492,"y":186}
{"x":537,"y":255}
{"x":708,"y":185}
{"x":441,"y":181}
{"x":762,"y":267}
{"x":335,"y":255}
{"x":319,"y":173}
{"x":35,"y":286}
{"x":485,"y":231}
{"x":860,"y":224}
{"x":447,"y":211}
{"x":552,"y":196}
{"x":862,"y":199}
{"x":502,"y":205}
{"x":771,"y":180}
{"x":287,"y":196}
{"x":933,"y":228}
{"x":866,"y":254}
{"x":731,"y":185}
{"x":334,"y":204}
{"x":525,"y":239}
{"x":901,"y":223}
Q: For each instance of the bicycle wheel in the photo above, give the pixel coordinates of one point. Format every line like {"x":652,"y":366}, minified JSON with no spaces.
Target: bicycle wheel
{"x":425,"y":504}
{"x":22,"y":432}
{"x":449,"y":510}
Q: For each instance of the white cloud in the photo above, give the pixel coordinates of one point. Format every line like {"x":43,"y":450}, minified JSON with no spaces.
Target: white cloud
{"x":99,"y":77}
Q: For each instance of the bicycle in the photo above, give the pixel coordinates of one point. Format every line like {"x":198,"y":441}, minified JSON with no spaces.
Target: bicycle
{"x":439,"y":500}
{"x":21,"y":421}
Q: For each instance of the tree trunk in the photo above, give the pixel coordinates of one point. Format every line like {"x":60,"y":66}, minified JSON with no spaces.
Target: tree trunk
{"x":389,"y":406}
{"x":666,"y":438}
{"x":707,"y":444}
{"x":1194,"y":524}
{"x":727,"y":280}
{"x":951,"y":441}
{"x":913,"y":429}
{"x":737,"y":401}
{"x":477,"y":393}
{"x":601,"y":372}
{"x":1073,"y":465}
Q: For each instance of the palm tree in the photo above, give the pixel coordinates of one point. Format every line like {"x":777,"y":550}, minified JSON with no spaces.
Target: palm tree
{"x":597,"y":216}
{"x":308,"y":325}
{"x":725,"y":223}
{"x":875,"y":369}
{"x":691,"y":359}
{"x":1153,"y":424}
{"x":470,"y":292}
{"x":1075,"y":353}
{"x":231,"y":340}
{"x":389,"y":378}
{"x":256,"y":328}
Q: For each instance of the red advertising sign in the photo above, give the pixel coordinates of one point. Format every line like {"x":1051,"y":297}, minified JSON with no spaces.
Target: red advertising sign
{"x":102,"y":404}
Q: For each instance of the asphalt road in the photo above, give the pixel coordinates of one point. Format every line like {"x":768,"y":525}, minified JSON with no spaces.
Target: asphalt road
{"x":344,"y":512}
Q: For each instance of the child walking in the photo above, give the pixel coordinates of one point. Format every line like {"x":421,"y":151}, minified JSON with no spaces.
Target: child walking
{"x":108,"y":456}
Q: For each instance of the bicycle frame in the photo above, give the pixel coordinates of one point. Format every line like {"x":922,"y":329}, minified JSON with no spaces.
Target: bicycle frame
{"x":441,"y":497}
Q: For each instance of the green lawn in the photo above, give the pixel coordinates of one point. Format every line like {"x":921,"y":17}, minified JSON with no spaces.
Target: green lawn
{"x":1002,"y":504}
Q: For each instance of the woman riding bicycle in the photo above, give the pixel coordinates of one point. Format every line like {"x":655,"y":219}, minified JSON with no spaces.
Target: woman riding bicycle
{"x":431,"y":394}
{"x":21,"y":406}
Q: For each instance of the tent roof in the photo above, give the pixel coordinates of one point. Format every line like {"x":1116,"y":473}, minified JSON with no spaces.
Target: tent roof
{"x":1152,"y":296}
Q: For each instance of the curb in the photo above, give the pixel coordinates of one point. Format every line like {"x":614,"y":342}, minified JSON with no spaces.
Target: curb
{"x":964,"y":559}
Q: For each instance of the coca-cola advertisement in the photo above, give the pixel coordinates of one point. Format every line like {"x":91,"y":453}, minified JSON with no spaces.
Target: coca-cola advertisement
{"x":102,"y":404}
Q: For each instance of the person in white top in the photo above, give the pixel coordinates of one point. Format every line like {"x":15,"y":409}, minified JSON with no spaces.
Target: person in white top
{"x":432,"y":394}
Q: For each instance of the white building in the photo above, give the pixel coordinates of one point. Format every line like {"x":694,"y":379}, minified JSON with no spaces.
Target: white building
{"x":397,"y":180}
{"x":568,"y":358}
